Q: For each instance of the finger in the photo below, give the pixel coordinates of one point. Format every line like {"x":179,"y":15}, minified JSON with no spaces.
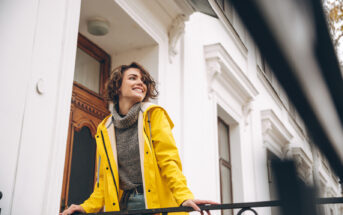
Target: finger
{"x":202,"y":212}
{"x":68,"y":211}
{"x":208,"y":212}
{"x":194,"y":205}
{"x":199,"y":201}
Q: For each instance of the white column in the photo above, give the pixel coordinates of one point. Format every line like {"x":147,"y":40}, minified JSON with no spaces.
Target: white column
{"x":39,"y":48}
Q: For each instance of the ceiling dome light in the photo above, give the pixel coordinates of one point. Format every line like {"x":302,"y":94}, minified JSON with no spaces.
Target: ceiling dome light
{"x":98,"y":26}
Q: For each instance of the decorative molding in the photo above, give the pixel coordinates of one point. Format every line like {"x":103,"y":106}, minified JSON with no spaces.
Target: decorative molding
{"x":287,"y":152}
{"x":246,"y":110}
{"x":213,"y":70}
{"x":89,"y":108}
{"x":175,"y":31}
{"x":303,"y":164}
{"x":85,"y":122}
{"x":275,"y":135}
{"x":222,"y":68}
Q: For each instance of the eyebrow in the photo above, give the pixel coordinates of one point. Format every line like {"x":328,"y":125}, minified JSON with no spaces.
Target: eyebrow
{"x":135,"y":75}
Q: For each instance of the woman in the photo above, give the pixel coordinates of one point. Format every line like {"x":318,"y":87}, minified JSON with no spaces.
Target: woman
{"x":137,"y":159}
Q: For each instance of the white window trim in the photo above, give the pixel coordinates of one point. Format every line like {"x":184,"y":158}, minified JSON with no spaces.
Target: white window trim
{"x":303,"y":163}
{"x":222,"y":68}
{"x":226,"y":78}
{"x":276,"y":137}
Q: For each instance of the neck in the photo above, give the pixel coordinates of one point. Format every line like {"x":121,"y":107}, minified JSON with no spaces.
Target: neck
{"x":125,"y":106}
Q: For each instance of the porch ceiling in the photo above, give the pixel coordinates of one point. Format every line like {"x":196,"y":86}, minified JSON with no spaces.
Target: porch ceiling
{"x":124,"y":33}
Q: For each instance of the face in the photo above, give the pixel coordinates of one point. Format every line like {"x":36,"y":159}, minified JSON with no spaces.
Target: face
{"x":132,"y":88}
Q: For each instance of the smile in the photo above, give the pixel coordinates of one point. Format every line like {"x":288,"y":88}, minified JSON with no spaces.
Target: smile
{"x":138,"y":90}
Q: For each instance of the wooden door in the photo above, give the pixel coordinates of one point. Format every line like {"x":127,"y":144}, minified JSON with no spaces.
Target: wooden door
{"x":88,"y":109}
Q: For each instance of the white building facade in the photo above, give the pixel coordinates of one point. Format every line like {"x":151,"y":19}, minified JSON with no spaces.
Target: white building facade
{"x":231,"y":117}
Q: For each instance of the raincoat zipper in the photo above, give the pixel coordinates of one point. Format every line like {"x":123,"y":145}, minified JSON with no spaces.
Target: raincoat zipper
{"x":114,"y":180}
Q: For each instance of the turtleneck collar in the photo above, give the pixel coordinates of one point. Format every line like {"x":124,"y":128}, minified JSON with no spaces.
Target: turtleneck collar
{"x":129,"y":119}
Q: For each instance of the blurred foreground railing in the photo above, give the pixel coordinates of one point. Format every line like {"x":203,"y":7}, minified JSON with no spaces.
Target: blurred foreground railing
{"x":242,"y":206}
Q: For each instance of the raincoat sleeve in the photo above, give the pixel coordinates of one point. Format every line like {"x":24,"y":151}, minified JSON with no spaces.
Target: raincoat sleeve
{"x":167,"y":155}
{"x":96,"y":200}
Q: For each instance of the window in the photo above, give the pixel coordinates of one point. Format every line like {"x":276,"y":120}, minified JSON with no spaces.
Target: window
{"x":226,"y":7}
{"x":225,"y":164}
{"x":271,"y":181}
{"x":228,"y":10}
{"x":87,"y":71}
{"x":277,"y":89}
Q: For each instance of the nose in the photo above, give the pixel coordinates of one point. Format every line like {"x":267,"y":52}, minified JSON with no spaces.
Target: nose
{"x":140,"y":82}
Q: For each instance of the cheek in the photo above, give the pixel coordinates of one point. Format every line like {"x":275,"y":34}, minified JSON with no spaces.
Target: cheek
{"x":124,"y":87}
{"x":145,"y":90}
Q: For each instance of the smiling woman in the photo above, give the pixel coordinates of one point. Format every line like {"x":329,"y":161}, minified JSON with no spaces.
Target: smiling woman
{"x":130,"y":84}
{"x":138,"y":164}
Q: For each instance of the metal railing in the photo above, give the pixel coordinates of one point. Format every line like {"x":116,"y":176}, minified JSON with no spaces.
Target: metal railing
{"x":246,"y":206}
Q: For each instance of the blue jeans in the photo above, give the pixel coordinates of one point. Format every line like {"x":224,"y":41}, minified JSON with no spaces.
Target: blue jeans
{"x":136,"y":201}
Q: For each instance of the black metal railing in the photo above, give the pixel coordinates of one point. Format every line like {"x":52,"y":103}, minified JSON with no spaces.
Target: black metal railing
{"x":246,"y":206}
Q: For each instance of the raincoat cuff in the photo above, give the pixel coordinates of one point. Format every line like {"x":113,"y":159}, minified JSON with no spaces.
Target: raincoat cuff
{"x":86,"y":208}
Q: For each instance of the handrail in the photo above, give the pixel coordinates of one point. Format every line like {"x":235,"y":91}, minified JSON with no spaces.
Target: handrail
{"x":243,"y":206}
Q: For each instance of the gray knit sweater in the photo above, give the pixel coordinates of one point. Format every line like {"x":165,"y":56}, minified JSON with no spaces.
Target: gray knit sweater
{"x":130,"y":175}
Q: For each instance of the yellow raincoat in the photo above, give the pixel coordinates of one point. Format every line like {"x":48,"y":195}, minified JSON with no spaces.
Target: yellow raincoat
{"x":163,"y":182}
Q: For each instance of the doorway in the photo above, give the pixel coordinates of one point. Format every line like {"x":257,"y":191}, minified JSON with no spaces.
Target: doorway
{"x":88,"y":109}
{"x":126,"y":41}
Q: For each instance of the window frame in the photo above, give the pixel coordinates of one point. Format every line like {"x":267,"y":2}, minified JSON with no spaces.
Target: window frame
{"x":225,"y":163}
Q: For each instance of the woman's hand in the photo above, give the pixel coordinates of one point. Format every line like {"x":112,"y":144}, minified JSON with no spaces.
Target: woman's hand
{"x":194,"y":204}
{"x":72,"y":209}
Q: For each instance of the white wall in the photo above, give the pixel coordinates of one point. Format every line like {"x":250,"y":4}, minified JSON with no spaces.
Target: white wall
{"x":199,"y":151}
{"x":15,"y":70}
{"x":146,"y":56}
{"x":38,"y":41}
{"x":201,"y":106}
{"x":200,"y":117}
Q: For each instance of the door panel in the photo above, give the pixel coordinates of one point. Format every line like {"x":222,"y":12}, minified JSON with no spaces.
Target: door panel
{"x":81,"y":178}
{"x":88,"y":109}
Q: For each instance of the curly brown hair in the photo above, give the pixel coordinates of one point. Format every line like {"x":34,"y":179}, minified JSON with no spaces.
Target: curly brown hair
{"x":114,"y":83}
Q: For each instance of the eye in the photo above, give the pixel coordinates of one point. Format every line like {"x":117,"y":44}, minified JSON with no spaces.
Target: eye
{"x":132,"y":78}
{"x":145,"y":81}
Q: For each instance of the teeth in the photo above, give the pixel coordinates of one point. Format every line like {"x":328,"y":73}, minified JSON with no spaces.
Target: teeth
{"x":138,"y":90}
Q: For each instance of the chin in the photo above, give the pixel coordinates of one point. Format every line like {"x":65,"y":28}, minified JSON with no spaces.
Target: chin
{"x":140,"y":99}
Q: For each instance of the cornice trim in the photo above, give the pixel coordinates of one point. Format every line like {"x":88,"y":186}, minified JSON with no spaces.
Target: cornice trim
{"x":89,"y":108}
{"x":300,"y":156}
{"x":222,"y":67}
{"x":276,"y":136}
